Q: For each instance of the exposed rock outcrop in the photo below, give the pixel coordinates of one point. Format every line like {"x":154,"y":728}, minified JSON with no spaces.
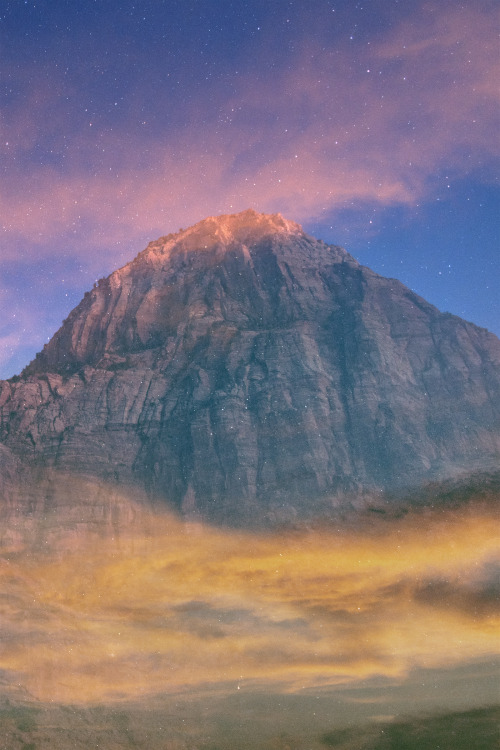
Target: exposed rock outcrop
{"x":242,"y":369}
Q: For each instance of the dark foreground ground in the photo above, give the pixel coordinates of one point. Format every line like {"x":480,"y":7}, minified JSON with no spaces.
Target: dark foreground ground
{"x":228,"y":726}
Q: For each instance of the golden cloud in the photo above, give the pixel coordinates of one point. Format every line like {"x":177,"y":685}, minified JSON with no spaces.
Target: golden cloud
{"x":181,"y":607}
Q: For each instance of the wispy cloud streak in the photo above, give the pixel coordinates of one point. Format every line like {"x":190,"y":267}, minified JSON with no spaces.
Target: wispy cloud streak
{"x":317,"y":135}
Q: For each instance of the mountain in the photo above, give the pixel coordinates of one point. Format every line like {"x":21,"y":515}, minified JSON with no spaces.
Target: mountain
{"x":242,"y":370}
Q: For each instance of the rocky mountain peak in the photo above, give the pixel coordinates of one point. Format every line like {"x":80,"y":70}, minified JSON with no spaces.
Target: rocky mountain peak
{"x":247,"y":227}
{"x":241,"y":369}
{"x":184,"y":278}
{"x":212,"y":237}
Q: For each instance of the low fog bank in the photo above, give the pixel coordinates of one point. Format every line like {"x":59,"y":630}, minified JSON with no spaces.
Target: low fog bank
{"x":160,"y":604}
{"x":119,"y":621}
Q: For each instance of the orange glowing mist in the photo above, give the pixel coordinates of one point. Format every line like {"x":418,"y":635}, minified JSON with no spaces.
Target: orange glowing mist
{"x":179,"y":606}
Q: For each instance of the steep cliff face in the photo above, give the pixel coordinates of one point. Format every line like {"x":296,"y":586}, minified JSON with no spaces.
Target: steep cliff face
{"x":244,"y":368}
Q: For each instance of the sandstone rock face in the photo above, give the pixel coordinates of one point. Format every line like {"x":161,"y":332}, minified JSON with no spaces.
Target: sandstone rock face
{"x":243,"y":369}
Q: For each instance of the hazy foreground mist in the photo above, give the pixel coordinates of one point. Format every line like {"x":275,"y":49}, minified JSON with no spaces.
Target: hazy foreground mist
{"x":175,"y":635}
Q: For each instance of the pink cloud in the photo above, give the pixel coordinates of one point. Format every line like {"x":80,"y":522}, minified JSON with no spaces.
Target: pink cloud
{"x":335,"y":130}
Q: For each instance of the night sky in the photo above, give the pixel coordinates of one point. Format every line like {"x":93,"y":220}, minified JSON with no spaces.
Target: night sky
{"x":374,"y":124}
